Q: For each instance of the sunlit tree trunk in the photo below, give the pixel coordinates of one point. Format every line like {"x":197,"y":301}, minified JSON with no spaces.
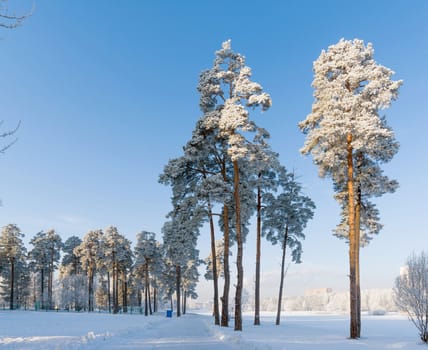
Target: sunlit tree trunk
{"x":239,"y":254}
{"x":226,"y":271}
{"x":352,"y":242}
{"x":357,"y":259}
{"x":357,"y":239}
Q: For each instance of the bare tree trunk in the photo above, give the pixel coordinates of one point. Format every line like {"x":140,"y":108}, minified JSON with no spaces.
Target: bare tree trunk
{"x":226,"y":287}
{"x":108,"y":292}
{"x":115,"y":288}
{"x":90,"y":289}
{"x":184,"y":302}
{"x":125,"y":292}
{"x":281,"y":284}
{"x":150,"y":302}
{"x":214,"y":264}
{"x":155,"y":301}
{"x":178,"y":287}
{"x":50,"y":281}
{"x":358,"y":238}
{"x":258,"y":253}
{"x":239,"y":254}
{"x":139,"y":298}
{"x":12,"y":281}
{"x":357,"y":258}
{"x":146,"y":289}
{"x":352,"y":242}
{"x":42,"y":287}
{"x":226,"y":250}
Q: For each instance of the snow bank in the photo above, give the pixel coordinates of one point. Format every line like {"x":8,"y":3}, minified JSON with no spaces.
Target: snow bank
{"x":82,"y":331}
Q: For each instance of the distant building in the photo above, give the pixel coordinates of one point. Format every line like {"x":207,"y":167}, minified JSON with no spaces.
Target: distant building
{"x":318,"y":291}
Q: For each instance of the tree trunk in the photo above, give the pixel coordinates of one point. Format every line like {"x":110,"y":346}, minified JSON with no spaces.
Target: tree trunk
{"x":108,"y":292}
{"x":178,"y":287}
{"x":239,"y":254}
{"x":226,"y":250}
{"x":357,"y":252}
{"x":146,"y":289}
{"x":150,"y":302}
{"x":184,"y":302}
{"x":352,"y":242}
{"x":214,"y":264}
{"x":139,"y":298}
{"x":50,"y":282}
{"x":115,"y":288}
{"x":281,"y":283}
{"x":258,"y":253}
{"x":91,"y":289}
{"x":357,"y":267}
{"x":226,"y":287}
{"x":155,"y":301}
{"x":42,"y":287}
{"x":12,"y":281}
{"x":125,"y":293}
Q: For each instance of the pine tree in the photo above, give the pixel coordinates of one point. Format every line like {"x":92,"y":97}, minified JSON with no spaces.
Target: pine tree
{"x":226,"y":94}
{"x":180,"y":236}
{"x":71,"y":277}
{"x":190,"y":279}
{"x":285,"y":216}
{"x":201,"y":172}
{"x":345,"y":127}
{"x":118,"y":257}
{"x":12,"y":261}
{"x":45,"y":257}
{"x":89,"y":253}
{"x":70,"y":259}
{"x":264,"y":166}
{"x":146,"y":255}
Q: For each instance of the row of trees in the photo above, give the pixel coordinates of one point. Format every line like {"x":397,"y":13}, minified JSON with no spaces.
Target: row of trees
{"x":99,"y":271}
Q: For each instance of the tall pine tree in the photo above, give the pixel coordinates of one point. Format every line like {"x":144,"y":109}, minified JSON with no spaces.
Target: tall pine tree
{"x":345,"y":127}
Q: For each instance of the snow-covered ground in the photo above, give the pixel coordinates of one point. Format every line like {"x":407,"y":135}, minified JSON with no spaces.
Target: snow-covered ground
{"x":83,"y":331}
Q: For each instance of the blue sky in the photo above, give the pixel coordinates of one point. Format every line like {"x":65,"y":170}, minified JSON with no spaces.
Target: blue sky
{"x":106,"y":94}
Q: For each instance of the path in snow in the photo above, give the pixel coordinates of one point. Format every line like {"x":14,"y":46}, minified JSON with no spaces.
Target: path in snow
{"x":83,"y":331}
{"x":190,"y":332}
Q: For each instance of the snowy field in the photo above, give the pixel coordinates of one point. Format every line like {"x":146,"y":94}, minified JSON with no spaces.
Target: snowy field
{"x":73,"y":331}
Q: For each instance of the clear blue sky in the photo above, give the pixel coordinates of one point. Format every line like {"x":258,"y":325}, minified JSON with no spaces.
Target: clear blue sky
{"x":106,"y":93}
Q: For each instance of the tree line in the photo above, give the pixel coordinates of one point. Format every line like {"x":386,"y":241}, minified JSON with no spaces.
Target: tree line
{"x":99,"y":272}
